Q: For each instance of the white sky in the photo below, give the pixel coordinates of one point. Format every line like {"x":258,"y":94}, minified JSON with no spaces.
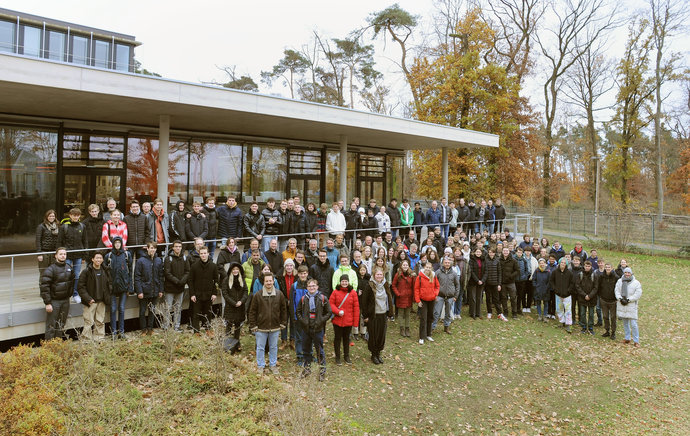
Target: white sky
{"x":186,"y":40}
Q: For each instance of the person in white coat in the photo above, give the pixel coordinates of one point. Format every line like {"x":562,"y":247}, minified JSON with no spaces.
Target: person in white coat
{"x":335,"y":222}
{"x":383,"y":220}
{"x":628,"y":292}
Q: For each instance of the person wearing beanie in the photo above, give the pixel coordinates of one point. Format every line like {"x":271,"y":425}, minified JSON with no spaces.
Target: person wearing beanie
{"x":345,"y":307}
{"x":628,"y":292}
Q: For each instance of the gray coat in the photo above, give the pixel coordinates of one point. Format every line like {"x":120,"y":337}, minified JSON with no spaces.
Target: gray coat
{"x":634,"y":293}
{"x":449,"y":283}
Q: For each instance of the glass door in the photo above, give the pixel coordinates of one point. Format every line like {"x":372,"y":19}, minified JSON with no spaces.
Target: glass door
{"x":85,"y":187}
{"x":77,"y":193}
{"x":309,"y":190}
{"x":369,"y":189}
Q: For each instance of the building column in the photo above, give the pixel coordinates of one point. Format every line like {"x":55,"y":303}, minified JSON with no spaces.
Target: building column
{"x":343,"y":169}
{"x":163,"y":152}
{"x":444,"y":170}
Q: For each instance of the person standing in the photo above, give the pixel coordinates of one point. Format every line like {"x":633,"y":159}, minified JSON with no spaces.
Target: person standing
{"x":176,"y":269}
{"x":57,"y":282}
{"x":148,"y":285}
{"x":499,"y":215}
{"x":449,"y":291}
{"x":510,"y":273}
{"x":196,"y":224}
{"x":562,"y":283}
{"x":406,"y":217}
{"x":159,"y":225}
{"x":94,"y":226}
{"x":267,"y":317}
{"x":478,"y":276}
{"x":178,"y":217}
{"x":113,"y":228}
{"x":209,"y":210}
{"x":313,"y":312}
{"x":204,"y":281}
{"x":606,"y":291}
{"x":628,"y":292}
{"x":72,"y":236}
{"x":229,"y":220}
{"x":345,"y":308}
{"x":235,"y":294}
{"x":94,"y":290}
{"x":322,"y":271}
{"x":587,"y":297}
{"x":119,"y":262}
{"x":395,"y":218}
{"x":426,"y":288}
{"x":403,"y":288}
{"x":540,"y":282}
{"x":273,"y":223}
{"x":137,"y":233}
{"x":46,"y":240}
{"x":335,"y":222}
{"x":524,"y":273}
{"x":494,"y":292}
{"x":377,"y":307}
{"x":254,"y":225}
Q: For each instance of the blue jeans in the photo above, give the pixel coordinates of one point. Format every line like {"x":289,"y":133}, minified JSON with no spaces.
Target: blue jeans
{"x":439,"y":305}
{"x":76,"y":267}
{"x":546,"y":307}
{"x":444,"y":231}
{"x":299,"y":342}
{"x":631,"y":324}
{"x":266,"y":241}
{"x":211,"y":248}
{"x":457,"y":307}
{"x":272,"y":339}
{"x":117,"y":306}
{"x":313,"y":339}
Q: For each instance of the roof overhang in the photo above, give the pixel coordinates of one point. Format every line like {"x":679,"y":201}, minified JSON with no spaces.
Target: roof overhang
{"x":41,"y":88}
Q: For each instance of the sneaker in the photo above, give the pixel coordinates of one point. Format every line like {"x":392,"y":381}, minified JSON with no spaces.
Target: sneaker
{"x":488,"y":316}
{"x":347,"y":360}
{"x":430,"y":339}
{"x":528,"y":310}
{"x":338,"y":361}
{"x":305,"y":372}
{"x":502,"y":317}
{"x":322,"y":376}
{"x":606,"y":334}
{"x":591,"y":332}
{"x":421,"y":342}
{"x":583,"y":331}
{"x":76,"y":299}
{"x":274,"y":370}
{"x":568,"y":329}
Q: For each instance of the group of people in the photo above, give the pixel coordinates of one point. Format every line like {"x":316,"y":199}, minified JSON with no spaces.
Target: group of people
{"x":300,"y":270}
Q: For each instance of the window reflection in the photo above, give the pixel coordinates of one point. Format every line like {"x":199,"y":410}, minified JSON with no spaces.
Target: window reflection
{"x":122,"y":57}
{"x":395,"y":176}
{"x":101,"y":54}
{"x":56,"y":45}
{"x":265,"y":172}
{"x":7,"y":37}
{"x":80,"y":50}
{"x":214,"y":170}
{"x":333,"y":176}
{"x":32,"y":41}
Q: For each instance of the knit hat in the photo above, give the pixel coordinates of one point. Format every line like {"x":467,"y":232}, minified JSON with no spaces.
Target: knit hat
{"x":448,"y":250}
{"x":627,"y":270}
{"x":289,"y":261}
{"x":360,"y":210}
{"x":345,"y":277}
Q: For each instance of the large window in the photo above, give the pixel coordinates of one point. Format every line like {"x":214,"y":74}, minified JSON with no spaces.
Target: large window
{"x":56,"y":45}
{"x":214,"y":170}
{"x":32,"y":41}
{"x":93,"y":151}
{"x":265,"y":172}
{"x":80,"y":50}
{"x":27,"y":185}
{"x":7,"y":37}
{"x":333,"y":176}
{"x":101,"y":54}
{"x":395,"y":174}
{"x":122,"y":53}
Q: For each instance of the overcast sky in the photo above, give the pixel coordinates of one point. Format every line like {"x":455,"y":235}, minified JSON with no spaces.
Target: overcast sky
{"x":186,"y":40}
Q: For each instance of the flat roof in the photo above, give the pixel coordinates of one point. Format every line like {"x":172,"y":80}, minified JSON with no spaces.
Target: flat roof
{"x":42,"y":88}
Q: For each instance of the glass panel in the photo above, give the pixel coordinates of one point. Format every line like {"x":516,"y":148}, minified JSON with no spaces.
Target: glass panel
{"x":93,"y":151}
{"x":394,"y":178}
{"x":371,"y":166}
{"x":265,"y":172}
{"x":313,"y":192}
{"x":369,"y":189}
{"x":7,"y":37}
{"x":297,"y":188}
{"x":122,"y":57}
{"x":27,"y":185}
{"x":80,"y":50}
{"x":215,"y":170}
{"x":142,"y":169}
{"x":32,"y":41}
{"x":56,"y":45}
{"x":101,"y":54}
{"x":333,"y":176}
{"x":107,"y":187}
{"x":77,"y":193}
{"x":305,"y":162}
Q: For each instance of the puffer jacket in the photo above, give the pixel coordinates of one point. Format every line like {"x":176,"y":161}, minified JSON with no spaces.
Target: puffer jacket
{"x":196,"y":226}
{"x":403,"y":288}
{"x":524,"y":269}
{"x":212,"y":218}
{"x":176,"y":272}
{"x":449,"y":283}
{"x":562,"y":282}
{"x":350,"y":307}
{"x":229,"y":221}
{"x":45,"y":239}
{"x":234,"y":291}
{"x":137,"y":229}
{"x":120,"y":264}
{"x":585,"y":285}
{"x":322,"y":312}
{"x":628,"y":311}
{"x":510,"y":271}
{"x":148,"y":276}
{"x":253,"y":224}
{"x":277,"y":226}
{"x":88,"y":286}
{"x":493,"y":271}
{"x":606,"y":286}
{"x":72,"y":236}
{"x":57,"y":282}
{"x":203,"y":280}
{"x":425,"y":289}
{"x":94,"y":230}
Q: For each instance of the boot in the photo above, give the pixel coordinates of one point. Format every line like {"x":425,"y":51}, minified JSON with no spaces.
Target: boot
{"x":446,"y":329}
{"x":347,"y":359}
{"x":402,"y":331}
{"x":407,"y":332}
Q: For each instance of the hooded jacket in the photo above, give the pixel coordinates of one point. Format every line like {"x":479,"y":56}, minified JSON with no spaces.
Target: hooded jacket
{"x":177,"y":222}
{"x":72,"y":236}
{"x":212,"y":218}
{"x":196,"y":226}
{"x":225,"y":257}
{"x":425,"y":289}
{"x":233,"y":291}
{"x":94,"y":284}
{"x":403,"y":288}
{"x":119,"y":262}
{"x":585,"y":285}
{"x":176,"y":272}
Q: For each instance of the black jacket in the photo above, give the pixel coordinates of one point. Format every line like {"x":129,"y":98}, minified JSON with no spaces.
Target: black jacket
{"x":510,"y":271}
{"x":310,"y":219}
{"x":45,"y":239}
{"x":317,"y":320}
{"x":606,"y":285}
{"x":119,"y":262}
{"x":367,"y":302}
{"x":472,"y":213}
{"x":500,"y":212}
{"x":562,"y":282}
{"x":212,"y":218}
{"x":463,"y":213}
{"x":229,"y":221}
{"x":203,"y":280}
{"x":275,"y":260}
{"x":394,"y":215}
{"x":148,"y":276}
{"x":91,"y":288}
{"x":136,"y":229}
{"x":418,"y":217}
{"x":276,"y":227}
{"x":323,"y":273}
{"x":254,"y":224}
{"x":225,"y":257}
{"x":233,"y":294}
{"x":478,"y":273}
{"x":585,"y":285}
{"x":72,"y":236}
{"x":176,"y":272}
{"x":57,"y":282}
{"x":493,"y":270}
{"x":196,"y":226}
{"x":177,"y":223}
{"x":94,"y":231}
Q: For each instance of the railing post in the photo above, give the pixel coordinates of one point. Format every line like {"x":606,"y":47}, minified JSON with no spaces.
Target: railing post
{"x":584,"y":221}
{"x":570,"y":227}
{"x":653,"y":228}
{"x":541,"y":227}
{"x":9,"y":317}
{"x":515,"y":227}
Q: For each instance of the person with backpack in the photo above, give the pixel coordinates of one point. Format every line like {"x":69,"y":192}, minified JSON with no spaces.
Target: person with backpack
{"x":94,"y":290}
{"x":313,"y":312}
{"x":345,"y":308}
{"x":295,"y":289}
{"x":177,"y":270}
{"x":72,"y":236}
{"x":119,"y":262}
{"x":148,"y":285}
{"x":56,"y":288}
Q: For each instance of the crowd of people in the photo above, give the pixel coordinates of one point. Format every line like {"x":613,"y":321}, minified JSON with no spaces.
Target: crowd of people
{"x":301,"y":268}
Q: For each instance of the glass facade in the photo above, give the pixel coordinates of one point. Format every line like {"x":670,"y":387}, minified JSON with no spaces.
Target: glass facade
{"x":265,"y":172}
{"x":122,"y":54}
{"x":57,"y":46}
{"x":333,"y":176}
{"x":31,"y":41}
{"x":79,"y":50}
{"x":101,"y":54}
{"x":8,"y":39}
{"x":395,"y":176}
{"x":214,"y":170}
{"x":83,"y":150}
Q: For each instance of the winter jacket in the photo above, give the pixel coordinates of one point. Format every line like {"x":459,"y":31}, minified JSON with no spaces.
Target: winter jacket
{"x":203,"y":280}
{"x":562,"y":282}
{"x":463,"y":213}
{"x":196,"y":226}
{"x":446,"y":214}
{"x":212,"y":218}
{"x":248,"y":268}
{"x":403,"y":288}
{"x":151,"y":221}
{"x":323,"y":273}
{"x":524,"y":268}
{"x":148,"y":276}
{"x":449,"y":283}
{"x":494,"y":272}
{"x":72,"y":236}
{"x":350,"y":307}
{"x":628,"y":311}
{"x":234,"y":290}
{"x":45,"y":239}
{"x":335,"y":223}
{"x":500,"y":212}
{"x":90,"y":287}
{"x":294,"y":295}
{"x":299,"y":225}
{"x":112,"y":230}
{"x":582,"y":254}
{"x":136,"y":229}
{"x":94,"y":229}
{"x":472,"y":214}
{"x":585,"y":285}
{"x":176,"y":272}
{"x":275,"y":260}
{"x":490,"y":216}
{"x":540,"y":280}
{"x":253,"y":224}
{"x":310,"y":220}
{"x":119,"y":262}
{"x":368,"y":300}
{"x":478,"y":271}
{"x":277,"y":226}
{"x":425,"y":289}
{"x":606,"y":286}
{"x":333,"y":257}
{"x":383,"y":222}
{"x":268,"y":312}
{"x":341,"y":271}
{"x":177,"y":222}
{"x":510,"y":271}
{"x":57,"y":282}
{"x":558,"y":252}
{"x":419,"y":217}
{"x":229,"y":221}
{"x":394,"y":215}
{"x":314,"y":321}
{"x":433,"y":217}
{"x":226,"y":257}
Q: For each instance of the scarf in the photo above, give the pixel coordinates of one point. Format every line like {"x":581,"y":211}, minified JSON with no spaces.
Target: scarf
{"x":312,"y":301}
{"x":381,"y":297}
{"x":624,"y":285}
{"x":53,"y":227}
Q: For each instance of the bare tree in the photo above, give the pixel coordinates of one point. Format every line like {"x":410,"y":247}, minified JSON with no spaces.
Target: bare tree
{"x":577,"y":26}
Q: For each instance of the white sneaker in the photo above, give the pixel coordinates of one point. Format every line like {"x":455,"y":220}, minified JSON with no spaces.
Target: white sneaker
{"x":528,"y":310}
{"x":76,"y":299}
{"x":488,"y":316}
{"x":421,"y":342}
{"x":524,"y":310}
{"x":503,"y":318}
{"x":430,"y":339}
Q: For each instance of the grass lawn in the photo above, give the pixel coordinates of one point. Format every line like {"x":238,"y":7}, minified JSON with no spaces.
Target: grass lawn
{"x":520,"y":377}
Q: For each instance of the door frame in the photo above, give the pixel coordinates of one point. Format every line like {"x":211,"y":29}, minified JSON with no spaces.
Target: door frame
{"x":92,"y":173}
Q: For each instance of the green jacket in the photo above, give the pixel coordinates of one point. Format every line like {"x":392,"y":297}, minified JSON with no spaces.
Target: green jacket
{"x":249,"y":271}
{"x":406,"y":216}
{"x":344,"y":270}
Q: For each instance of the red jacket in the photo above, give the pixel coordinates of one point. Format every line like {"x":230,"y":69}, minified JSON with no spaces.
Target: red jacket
{"x":425,"y":289}
{"x":115,"y":230}
{"x":351,"y":307}
{"x":403,"y":288}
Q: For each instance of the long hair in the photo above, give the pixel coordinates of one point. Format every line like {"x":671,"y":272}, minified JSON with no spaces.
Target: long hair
{"x":48,"y":212}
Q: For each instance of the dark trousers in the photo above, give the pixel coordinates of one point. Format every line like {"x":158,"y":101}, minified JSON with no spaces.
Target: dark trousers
{"x":377,"y":331}
{"x":529,"y":294}
{"x":499,"y":226}
{"x":586,"y":317}
{"x":498,"y":298}
{"x":146,"y":321}
{"x":237,"y":325}
{"x":608,"y":311}
{"x":475,"y":299}
{"x":552,"y":302}
{"x":576,"y":306}
{"x":509,"y":290}
{"x":426,"y":317}
{"x":521,"y":288}
{"x":342,"y":334}
{"x":55,"y":320}
{"x":201,"y":309}
{"x":313,"y":339}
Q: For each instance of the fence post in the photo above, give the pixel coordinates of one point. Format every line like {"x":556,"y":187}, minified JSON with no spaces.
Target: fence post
{"x":584,"y":221}
{"x":541,"y":227}
{"x":9,"y":317}
{"x":608,"y":229}
{"x":570,"y":227}
{"x":515,"y":227}
{"x":653,"y":228}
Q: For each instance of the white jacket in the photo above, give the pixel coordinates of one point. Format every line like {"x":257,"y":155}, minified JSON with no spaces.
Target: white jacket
{"x":384,"y":222}
{"x":634,"y":293}
{"x":335,"y":222}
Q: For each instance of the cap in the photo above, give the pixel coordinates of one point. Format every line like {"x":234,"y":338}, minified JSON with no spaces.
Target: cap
{"x":345,"y":277}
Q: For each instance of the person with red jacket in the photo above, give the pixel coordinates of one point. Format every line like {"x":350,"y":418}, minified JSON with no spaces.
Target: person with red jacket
{"x":426,"y":288}
{"x":345,"y":308}
{"x":112,"y":228}
{"x":403,"y":288}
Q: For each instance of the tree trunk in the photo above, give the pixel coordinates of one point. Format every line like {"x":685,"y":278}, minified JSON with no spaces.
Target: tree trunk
{"x":657,"y":141}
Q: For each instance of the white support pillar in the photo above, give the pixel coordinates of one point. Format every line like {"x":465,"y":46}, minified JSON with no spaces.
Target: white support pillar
{"x":444,"y":166}
{"x":343,"y":169}
{"x":163,"y":152}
